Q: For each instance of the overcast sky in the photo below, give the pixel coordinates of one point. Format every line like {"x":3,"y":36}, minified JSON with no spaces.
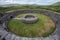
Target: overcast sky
{"x":39,"y":2}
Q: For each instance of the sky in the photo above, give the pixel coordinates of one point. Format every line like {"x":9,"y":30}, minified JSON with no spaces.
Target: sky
{"x":38,"y":2}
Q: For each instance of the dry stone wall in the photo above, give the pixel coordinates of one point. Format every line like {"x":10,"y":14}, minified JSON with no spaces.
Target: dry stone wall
{"x":4,"y":34}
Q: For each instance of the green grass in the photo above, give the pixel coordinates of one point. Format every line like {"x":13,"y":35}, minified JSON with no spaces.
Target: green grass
{"x":41,"y":28}
{"x":12,"y":8}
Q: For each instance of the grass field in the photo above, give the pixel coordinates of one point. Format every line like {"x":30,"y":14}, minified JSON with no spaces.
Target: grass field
{"x":44,"y":27}
{"x":11,"y":8}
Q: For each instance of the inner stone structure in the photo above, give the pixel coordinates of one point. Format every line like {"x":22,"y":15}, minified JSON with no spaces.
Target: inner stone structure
{"x":29,"y":18}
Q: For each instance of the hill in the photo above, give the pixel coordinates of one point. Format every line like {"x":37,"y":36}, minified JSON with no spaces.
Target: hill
{"x":56,"y":4}
{"x":9,"y":7}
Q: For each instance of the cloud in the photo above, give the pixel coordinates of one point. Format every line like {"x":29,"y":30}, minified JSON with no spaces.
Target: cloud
{"x":42,"y":2}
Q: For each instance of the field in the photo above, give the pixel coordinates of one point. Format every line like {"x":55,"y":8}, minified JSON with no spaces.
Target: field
{"x":44,"y":27}
{"x":11,"y":8}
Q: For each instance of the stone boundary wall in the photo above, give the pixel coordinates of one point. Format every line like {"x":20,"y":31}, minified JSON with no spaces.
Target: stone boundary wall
{"x":54,"y":16}
{"x":44,"y":12}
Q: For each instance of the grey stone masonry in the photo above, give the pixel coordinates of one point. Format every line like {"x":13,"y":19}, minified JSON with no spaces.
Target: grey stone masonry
{"x":29,"y":19}
{"x":11,"y":36}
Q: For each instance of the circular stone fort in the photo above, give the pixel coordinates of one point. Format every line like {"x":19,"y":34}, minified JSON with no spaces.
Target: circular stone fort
{"x":30,"y":25}
{"x":29,"y":18}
